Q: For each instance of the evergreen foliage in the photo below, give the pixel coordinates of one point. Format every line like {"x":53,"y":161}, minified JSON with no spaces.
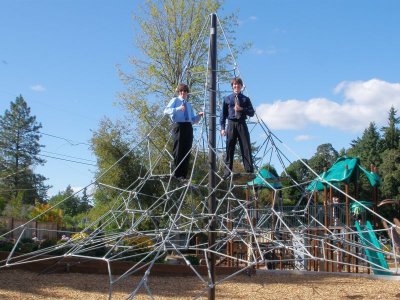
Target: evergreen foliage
{"x":369,"y":147}
{"x":391,"y":133}
{"x":20,"y":154}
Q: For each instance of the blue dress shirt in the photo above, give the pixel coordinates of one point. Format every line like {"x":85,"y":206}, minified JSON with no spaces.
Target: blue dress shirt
{"x":178,"y":116}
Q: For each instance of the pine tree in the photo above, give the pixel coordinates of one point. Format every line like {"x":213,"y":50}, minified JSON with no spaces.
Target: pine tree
{"x":67,"y":201}
{"x":391,"y":134}
{"x":19,"y":154}
{"x":390,"y":172}
{"x":369,"y":147}
{"x":390,"y":167}
{"x":84,"y":204}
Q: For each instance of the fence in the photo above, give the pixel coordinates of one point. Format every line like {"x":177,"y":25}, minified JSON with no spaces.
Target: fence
{"x":42,"y":230}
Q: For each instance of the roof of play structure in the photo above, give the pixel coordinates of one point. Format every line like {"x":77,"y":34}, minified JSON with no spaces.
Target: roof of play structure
{"x":345,"y":169}
{"x":265,"y":179}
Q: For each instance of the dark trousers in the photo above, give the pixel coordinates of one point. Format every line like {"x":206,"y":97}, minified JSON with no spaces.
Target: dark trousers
{"x":237,"y":130}
{"x":183,"y":139}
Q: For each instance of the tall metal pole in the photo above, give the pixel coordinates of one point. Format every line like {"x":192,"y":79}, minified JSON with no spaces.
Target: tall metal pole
{"x":212,"y":69}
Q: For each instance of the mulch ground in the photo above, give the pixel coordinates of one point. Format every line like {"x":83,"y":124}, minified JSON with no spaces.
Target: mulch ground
{"x":19,"y":284}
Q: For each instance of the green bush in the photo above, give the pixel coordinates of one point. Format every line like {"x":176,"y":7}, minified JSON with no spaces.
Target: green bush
{"x":48,"y":243}
{"x":6,"y":245}
{"x":27,"y":247}
{"x":194,"y":261}
{"x":26,"y":240}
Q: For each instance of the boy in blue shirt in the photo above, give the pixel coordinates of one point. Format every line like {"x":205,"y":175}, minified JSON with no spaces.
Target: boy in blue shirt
{"x":183,"y":116}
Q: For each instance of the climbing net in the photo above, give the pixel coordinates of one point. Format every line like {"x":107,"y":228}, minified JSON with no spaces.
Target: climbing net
{"x":159,"y":218}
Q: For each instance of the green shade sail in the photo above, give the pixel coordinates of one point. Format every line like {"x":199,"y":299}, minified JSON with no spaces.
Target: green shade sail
{"x":265,"y":179}
{"x":345,"y":169}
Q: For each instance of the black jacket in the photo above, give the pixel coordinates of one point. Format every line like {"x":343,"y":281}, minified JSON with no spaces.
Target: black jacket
{"x":228,"y":111}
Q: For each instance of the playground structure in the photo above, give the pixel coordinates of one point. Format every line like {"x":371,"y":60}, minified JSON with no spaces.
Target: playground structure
{"x":321,"y":233}
{"x":225,"y":223}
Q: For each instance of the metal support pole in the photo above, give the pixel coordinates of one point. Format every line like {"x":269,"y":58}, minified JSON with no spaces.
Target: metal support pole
{"x":211,"y":153}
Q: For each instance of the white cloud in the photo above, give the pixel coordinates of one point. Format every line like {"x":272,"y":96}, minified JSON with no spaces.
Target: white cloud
{"x":303,"y":137}
{"x":363,"y":102}
{"x":283,"y":114}
{"x":38,"y":88}
{"x":253,"y":18}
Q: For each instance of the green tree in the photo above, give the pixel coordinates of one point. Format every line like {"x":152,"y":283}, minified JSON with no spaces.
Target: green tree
{"x":68,"y":201}
{"x":120,"y":166}
{"x":167,"y":36}
{"x":44,"y":213}
{"x":84,"y":204}
{"x":391,"y":133}
{"x":369,"y":147}
{"x":325,"y":156}
{"x":15,"y":208}
{"x":390,"y":157}
{"x":299,"y":173}
{"x":70,"y":207}
{"x":20,"y":154}
{"x":390,"y":172}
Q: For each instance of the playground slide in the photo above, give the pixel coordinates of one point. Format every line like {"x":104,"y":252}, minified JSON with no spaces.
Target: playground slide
{"x":369,"y":239}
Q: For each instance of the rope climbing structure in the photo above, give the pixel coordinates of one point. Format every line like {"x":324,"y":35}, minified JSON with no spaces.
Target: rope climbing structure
{"x":246,"y":228}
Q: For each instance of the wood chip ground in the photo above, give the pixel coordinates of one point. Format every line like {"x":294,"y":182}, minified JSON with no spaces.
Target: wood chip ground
{"x":18,"y":284}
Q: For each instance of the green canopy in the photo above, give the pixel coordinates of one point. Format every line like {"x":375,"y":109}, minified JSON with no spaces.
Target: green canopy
{"x":344,"y":169}
{"x":265,"y":179}
{"x":357,"y":207}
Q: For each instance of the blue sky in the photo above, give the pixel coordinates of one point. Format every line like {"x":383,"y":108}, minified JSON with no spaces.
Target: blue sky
{"x":317,"y":72}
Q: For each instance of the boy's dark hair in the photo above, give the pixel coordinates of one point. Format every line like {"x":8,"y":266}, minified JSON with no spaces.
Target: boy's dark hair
{"x":237,"y":80}
{"x":182,"y":88}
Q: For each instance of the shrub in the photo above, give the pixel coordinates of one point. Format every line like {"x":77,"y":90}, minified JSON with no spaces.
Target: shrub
{"x":27,"y":247}
{"x":48,"y":243}
{"x":194,"y":261}
{"x":6,"y":245}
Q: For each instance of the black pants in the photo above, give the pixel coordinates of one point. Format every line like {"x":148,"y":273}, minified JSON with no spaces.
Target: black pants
{"x":183,"y":139}
{"x":237,"y":130}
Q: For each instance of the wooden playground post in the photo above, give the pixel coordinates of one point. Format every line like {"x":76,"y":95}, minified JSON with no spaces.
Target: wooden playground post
{"x":256,"y":219}
{"x":326,"y":223}
{"x":315,"y":232}
{"x":346,"y":189}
